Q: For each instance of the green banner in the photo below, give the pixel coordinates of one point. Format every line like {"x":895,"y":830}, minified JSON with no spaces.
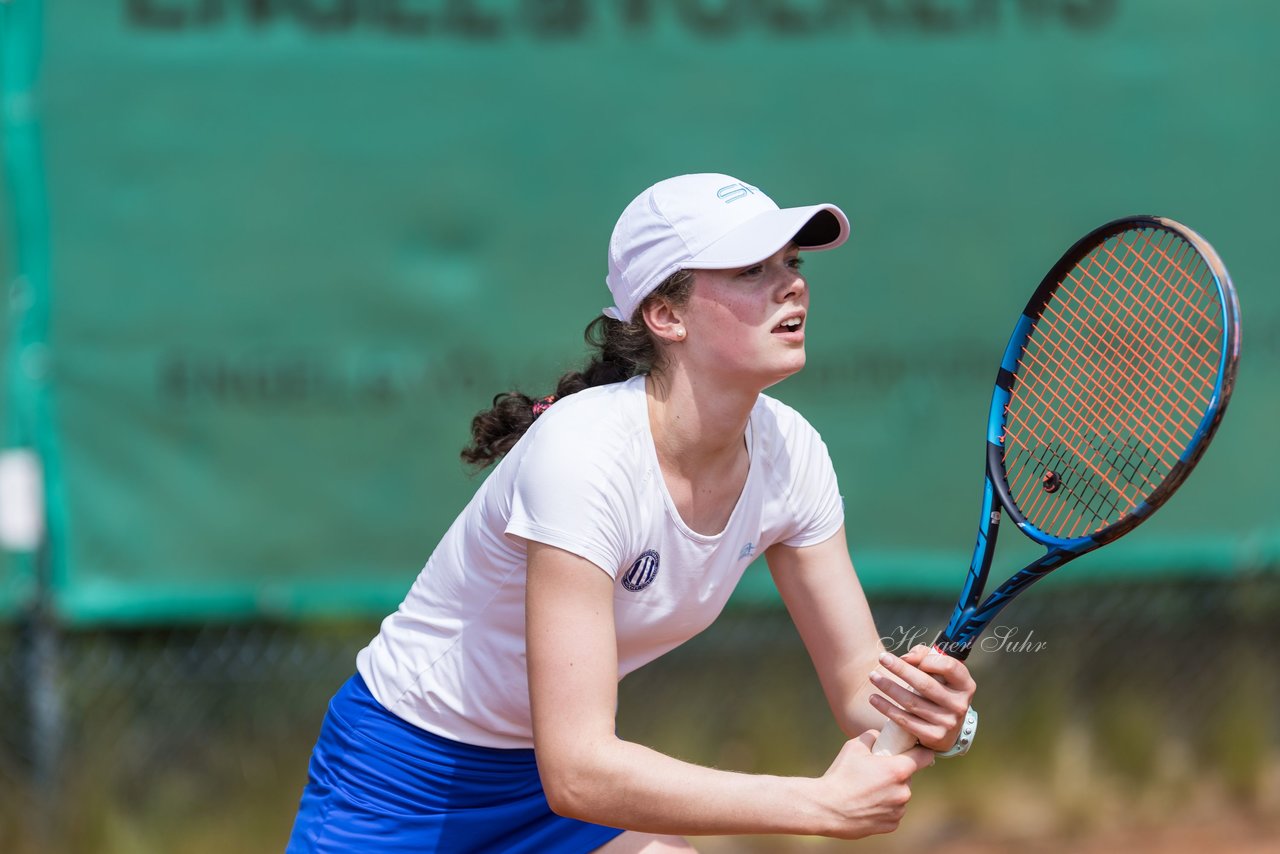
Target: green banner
{"x":28,"y":438}
{"x":15,"y":588}
{"x":297,"y":244}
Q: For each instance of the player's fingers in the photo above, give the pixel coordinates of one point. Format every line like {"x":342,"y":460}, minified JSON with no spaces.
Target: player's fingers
{"x":946,"y":682}
{"x":922,"y":707}
{"x":854,"y":747}
{"x":923,"y":757}
{"x":928,"y":733}
{"x":916,"y":654}
{"x":950,"y":671}
{"x":922,"y":682}
{"x":927,"y":726}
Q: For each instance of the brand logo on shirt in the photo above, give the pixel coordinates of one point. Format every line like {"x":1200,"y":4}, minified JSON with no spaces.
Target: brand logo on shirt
{"x":747,"y":551}
{"x":642,"y":572}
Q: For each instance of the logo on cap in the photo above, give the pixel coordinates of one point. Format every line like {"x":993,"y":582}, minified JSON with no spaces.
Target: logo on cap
{"x":732,"y":192}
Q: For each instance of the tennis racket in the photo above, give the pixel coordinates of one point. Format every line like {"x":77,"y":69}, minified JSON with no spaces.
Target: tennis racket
{"x":1114,"y":380}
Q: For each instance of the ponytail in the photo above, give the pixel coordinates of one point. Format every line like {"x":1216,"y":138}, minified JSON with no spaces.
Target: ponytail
{"x":622,"y":350}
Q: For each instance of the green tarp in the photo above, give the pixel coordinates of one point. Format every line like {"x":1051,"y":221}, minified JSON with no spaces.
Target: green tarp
{"x":294,"y":246}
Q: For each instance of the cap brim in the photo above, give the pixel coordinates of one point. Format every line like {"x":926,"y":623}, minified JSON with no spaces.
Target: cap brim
{"x":814,"y":228}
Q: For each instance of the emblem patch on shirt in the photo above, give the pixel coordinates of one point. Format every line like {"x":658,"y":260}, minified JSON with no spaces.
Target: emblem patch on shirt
{"x":642,"y":572}
{"x":747,"y":551}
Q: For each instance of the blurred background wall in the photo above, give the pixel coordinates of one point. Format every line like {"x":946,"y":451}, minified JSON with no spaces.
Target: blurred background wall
{"x":265,"y":258}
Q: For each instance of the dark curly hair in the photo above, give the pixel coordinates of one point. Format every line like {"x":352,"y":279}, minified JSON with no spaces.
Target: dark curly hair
{"x":621,"y":351}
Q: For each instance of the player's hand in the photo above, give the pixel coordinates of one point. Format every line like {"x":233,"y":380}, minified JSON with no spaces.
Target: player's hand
{"x":864,"y":794}
{"x":929,"y":698}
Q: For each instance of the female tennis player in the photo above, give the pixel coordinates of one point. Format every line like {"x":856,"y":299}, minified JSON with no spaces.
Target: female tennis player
{"x":621,"y":515}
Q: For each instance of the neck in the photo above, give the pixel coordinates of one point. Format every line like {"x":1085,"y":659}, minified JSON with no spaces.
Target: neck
{"x":696,"y":426}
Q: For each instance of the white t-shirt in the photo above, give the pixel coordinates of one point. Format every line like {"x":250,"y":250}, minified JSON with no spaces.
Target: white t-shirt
{"x":585,"y":478}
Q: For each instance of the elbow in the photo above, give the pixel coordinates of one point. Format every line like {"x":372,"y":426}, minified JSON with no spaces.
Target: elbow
{"x":568,"y":794}
{"x":564,"y":801}
{"x":571,"y":786}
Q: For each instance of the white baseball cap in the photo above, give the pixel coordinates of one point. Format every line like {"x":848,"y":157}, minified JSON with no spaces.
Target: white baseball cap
{"x":706,"y":222}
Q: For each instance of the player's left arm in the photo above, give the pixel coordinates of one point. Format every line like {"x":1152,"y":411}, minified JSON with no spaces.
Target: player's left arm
{"x":930,"y":693}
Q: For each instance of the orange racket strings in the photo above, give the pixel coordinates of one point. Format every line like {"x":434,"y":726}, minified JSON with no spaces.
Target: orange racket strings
{"x":1113,"y":382}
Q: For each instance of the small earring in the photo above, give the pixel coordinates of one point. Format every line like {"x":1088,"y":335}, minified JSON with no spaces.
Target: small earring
{"x":680,"y":332}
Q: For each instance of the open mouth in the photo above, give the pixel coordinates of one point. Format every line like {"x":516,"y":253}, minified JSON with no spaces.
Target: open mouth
{"x":791,"y":324}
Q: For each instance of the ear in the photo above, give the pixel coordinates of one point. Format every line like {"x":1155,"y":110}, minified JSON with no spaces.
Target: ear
{"x":664,"y":320}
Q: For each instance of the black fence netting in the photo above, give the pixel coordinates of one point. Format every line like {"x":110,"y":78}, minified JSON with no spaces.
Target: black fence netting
{"x":1104,"y":709}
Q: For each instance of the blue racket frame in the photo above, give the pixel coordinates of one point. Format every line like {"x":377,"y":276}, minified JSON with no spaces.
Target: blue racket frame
{"x":972,"y":616}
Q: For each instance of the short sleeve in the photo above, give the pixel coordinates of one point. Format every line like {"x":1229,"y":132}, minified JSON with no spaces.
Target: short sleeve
{"x":814,"y":501}
{"x":571,"y":493}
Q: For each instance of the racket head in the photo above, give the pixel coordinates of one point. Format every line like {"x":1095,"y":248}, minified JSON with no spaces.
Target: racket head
{"x":1113,"y":382}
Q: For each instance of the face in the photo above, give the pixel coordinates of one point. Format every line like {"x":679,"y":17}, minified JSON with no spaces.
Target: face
{"x":746,"y":326}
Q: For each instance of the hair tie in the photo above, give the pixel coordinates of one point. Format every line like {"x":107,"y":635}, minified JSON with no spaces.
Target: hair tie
{"x":543,"y":405}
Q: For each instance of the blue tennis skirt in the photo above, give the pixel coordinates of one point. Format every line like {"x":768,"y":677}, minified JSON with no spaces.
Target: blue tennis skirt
{"x":379,"y":784}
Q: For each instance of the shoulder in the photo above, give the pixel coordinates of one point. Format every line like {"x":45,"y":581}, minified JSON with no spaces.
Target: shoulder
{"x":601,"y":398}
{"x":781,"y":423}
{"x":599,"y":428}
{"x":572,"y":481}
{"x":791,"y":448}
{"x":799,"y":470}
{"x":599,"y":416}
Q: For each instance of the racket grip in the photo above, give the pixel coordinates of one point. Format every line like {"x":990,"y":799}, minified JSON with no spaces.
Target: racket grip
{"x":893,"y":740}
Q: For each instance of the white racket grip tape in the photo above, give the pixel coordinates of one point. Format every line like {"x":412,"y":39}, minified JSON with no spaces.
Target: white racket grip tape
{"x":893,"y":740}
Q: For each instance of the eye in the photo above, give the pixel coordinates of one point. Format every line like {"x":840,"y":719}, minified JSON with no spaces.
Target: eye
{"x":795,"y":263}
{"x":753,"y":270}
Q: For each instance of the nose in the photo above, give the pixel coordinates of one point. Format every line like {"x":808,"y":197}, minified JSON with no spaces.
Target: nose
{"x":793,"y":285}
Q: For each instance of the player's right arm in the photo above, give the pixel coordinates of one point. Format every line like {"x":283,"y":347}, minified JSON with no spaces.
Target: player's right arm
{"x":591,"y":774}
